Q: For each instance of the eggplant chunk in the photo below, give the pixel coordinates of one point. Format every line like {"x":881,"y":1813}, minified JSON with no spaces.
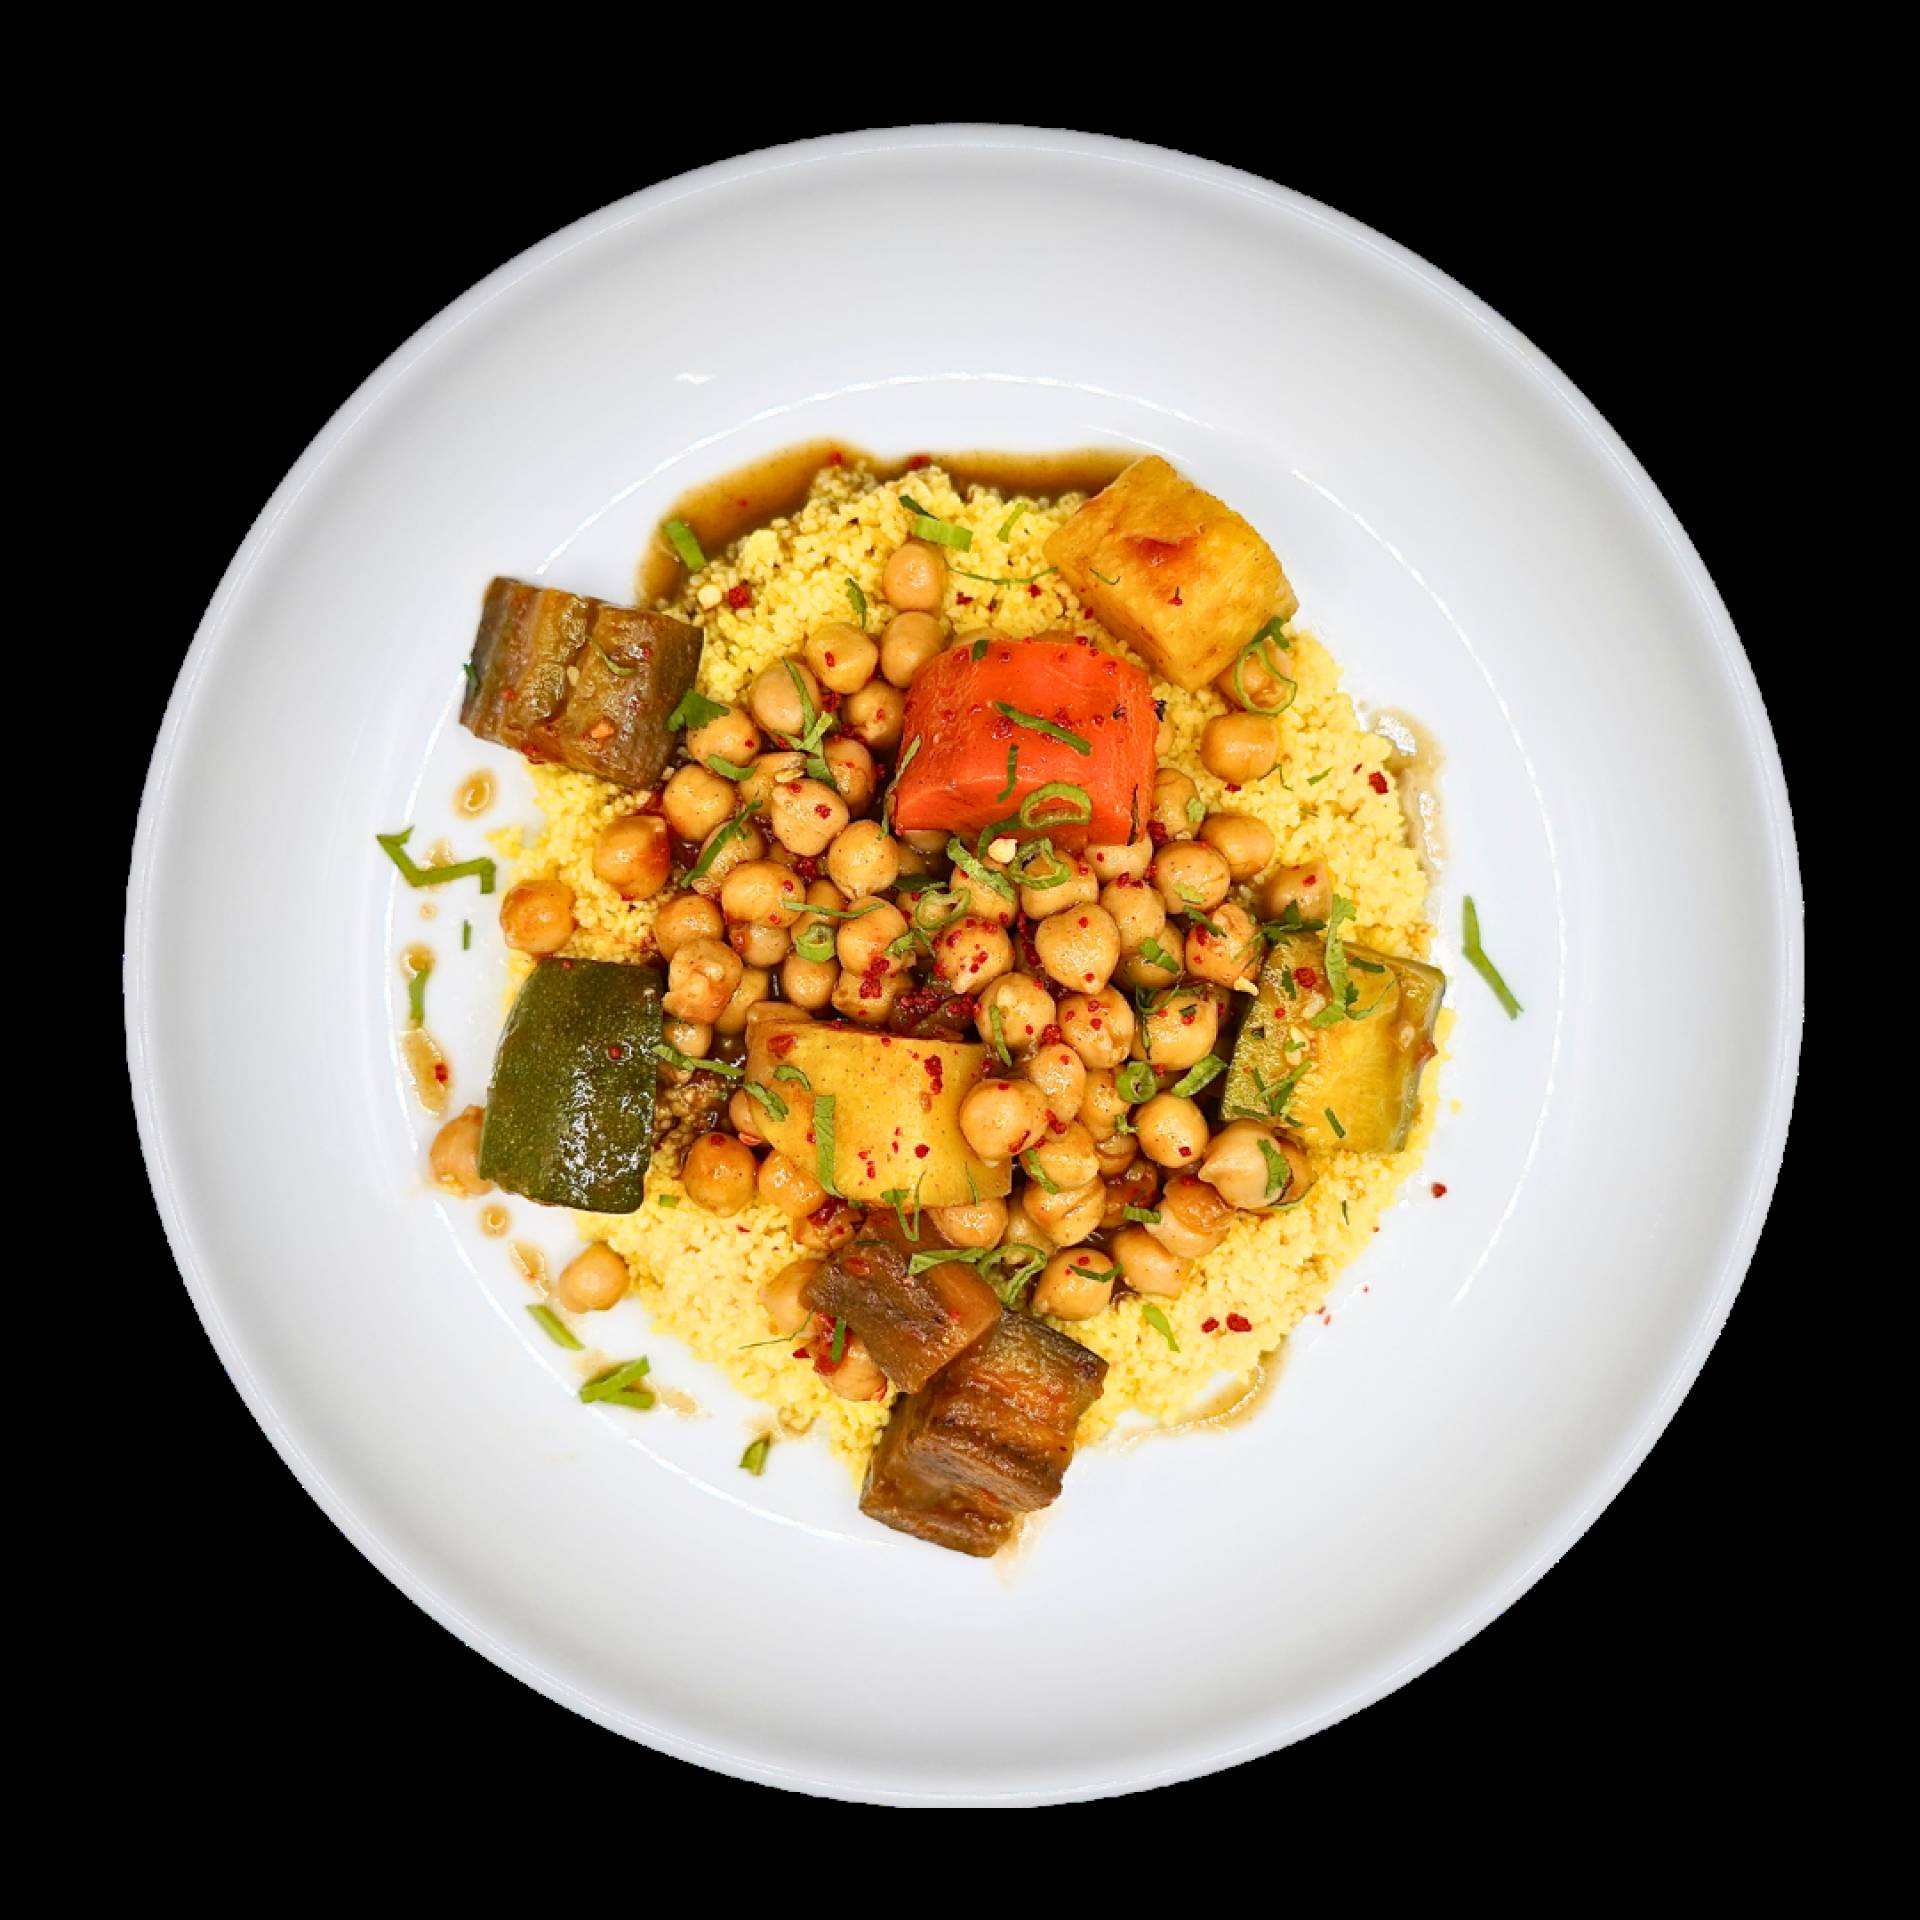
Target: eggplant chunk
{"x":561,"y":676}
{"x":988,"y":1439}
{"x":1351,"y":1086}
{"x":912,"y":1323}
{"x":570,"y":1115}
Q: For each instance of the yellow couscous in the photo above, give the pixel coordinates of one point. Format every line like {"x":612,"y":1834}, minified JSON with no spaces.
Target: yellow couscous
{"x":1331,"y":799}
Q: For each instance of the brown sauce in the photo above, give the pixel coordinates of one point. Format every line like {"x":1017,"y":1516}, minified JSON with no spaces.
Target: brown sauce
{"x":415,"y":960}
{"x":494,"y":1221}
{"x":719,"y":511}
{"x":476,"y":793}
{"x":432,"y":1078}
{"x":1232,"y":1405}
{"x":1415,"y":764}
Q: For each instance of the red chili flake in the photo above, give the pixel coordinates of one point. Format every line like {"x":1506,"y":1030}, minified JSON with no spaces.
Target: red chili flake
{"x":1439,"y":1189}
{"x":918,"y":461}
{"x":616,"y":1051}
{"x":1174,"y":600}
{"x":440,"y":1072}
{"x":920,"y":1152}
{"x":824,"y":811}
{"x":1050,"y":1035}
{"x":1307,"y":977}
{"x":740,"y":594}
{"x":1157,"y":833}
{"x":1378,"y":782}
{"x":781,"y":1045}
{"x":807,"y":866}
{"x":1033,"y":590}
{"x":1002,"y":727}
{"x":1239,"y":1323}
{"x":836,"y":458}
{"x":963,"y":599}
{"x":1209,"y":1325}
{"x":830,"y":700}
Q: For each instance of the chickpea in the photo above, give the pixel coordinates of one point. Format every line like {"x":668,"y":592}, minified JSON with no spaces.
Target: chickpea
{"x":730,"y":735}
{"x":1075,"y":1286}
{"x":853,"y":771}
{"x":782,"y":696}
{"x":764,"y":892}
{"x":1080,"y":888}
{"x":1025,"y":1008}
{"x":696,"y":801}
{"x":977,"y":1223}
{"x":595,"y":1279}
{"x":1240,"y":748}
{"x":971,"y":954}
{"x":769,"y":771}
{"x":1021,"y":1230}
{"x":784,"y":1296}
{"x":875,"y":715}
{"x":1079,"y":949}
{"x":633,"y":855}
{"x":805,"y":815}
{"x":1244,"y":843}
{"x":1228,"y":954}
{"x":915,"y":578}
{"x":684,"y":918}
{"x":1148,"y":1266}
{"x":1176,"y":803}
{"x":729,"y":845}
{"x":700,"y":981}
{"x":915,"y":863}
{"x":808,"y":983}
{"x":1069,"y":1216}
{"x":718,"y":1173}
{"x":694,"y":1038}
{"x":982,"y":901}
{"x":1133,"y":1186}
{"x":999,"y":1117}
{"x":910,"y":641}
{"x":1103,"y":1106}
{"x":1308,"y":888}
{"x":1098,"y":1026}
{"x":931,"y":841}
{"x":774,"y":1013}
{"x":784,"y":1183}
{"x":827,"y":1228}
{"x":743,"y":1116}
{"x":1067,"y":1159}
{"x":1129,"y":862}
{"x":1117,"y":1153}
{"x":867,"y":997}
{"x":1242,"y":1164}
{"x":1062,"y":1080}
{"x":537,"y":916}
{"x":1180,"y":1031}
{"x":842,"y":657}
{"x":1266,"y":678}
{"x":863,"y":939}
{"x":1137,"y":912}
{"x":759,"y":946}
{"x":1172,"y":1130}
{"x":753,"y":986}
{"x":1192,"y":1217}
{"x":855,"y":1375}
{"x":454,"y":1157}
{"x":865,"y":858}
{"x":1190,"y":877}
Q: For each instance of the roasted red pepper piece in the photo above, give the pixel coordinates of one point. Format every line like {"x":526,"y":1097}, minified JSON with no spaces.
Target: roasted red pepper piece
{"x":958,"y":734}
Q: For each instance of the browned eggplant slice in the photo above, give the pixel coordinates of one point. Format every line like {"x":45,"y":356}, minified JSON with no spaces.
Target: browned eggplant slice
{"x":989,"y":1438}
{"x":562,"y":676}
{"x":912,"y":1323}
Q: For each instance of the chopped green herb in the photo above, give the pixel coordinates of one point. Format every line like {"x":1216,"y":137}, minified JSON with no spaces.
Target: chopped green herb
{"x":999,"y":1028}
{"x":1157,"y":1320}
{"x":978,"y":651}
{"x":1141,"y":1216}
{"x":767,"y":1098}
{"x":1279,"y":1172}
{"x":466,"y":935}
{"x":417,"y":994}
{"x":1260,"y":644}
{"x":838,"y":1350}
{"x":619,"y":1386}
{"x":555,"y":1328}
{"x":1155,"y":955}
{"x":732,"y":830}
{"x":858,"y":600}
{"x":1037,"y":1173}
{"x":824,"y":1154}
{"x":1012,"y":520}
{"x":694,"y":710}
{"x":1004,"y":579}
{"x":784,"y":1072}
{"x":1196,"y":811}
{"x":943,"y":533}
{"x":473,"y":674}
{"x":1333,"y":1120}
{"x":727,"y":769}
{"x":688,"y":1064}
{"x":1477,"y":957}
{"x":620,"y":669}
{"x":977,"y":870}
{"x":1038,"y":867}
{"x":394,"y":845}
{"x":1314,"y":779}
{"x":1201,"y":1074}
{"x":1345,"y":1221}
{"x":754,"y":1460}
{"x":1021,"y":718}
{"x":680,"y":537}
{"x":1013,"y":771}
{"x":1336,"y":954}
{"x":1105,"y":579}
{"x":668,"y":1200}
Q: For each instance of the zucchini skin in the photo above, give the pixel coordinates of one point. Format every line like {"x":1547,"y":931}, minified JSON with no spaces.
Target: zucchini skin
{"x":562,"y":676}
{"x":570,"y":1114}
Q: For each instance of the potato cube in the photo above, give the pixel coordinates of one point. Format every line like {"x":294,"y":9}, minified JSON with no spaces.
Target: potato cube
{"x":1175,"y":573}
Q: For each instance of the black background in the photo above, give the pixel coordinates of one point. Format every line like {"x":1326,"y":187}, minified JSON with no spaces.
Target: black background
{"x":1643,"y":254}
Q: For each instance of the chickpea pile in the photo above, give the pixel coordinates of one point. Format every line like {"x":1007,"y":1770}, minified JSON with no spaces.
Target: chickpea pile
{"x":1099,"y":981}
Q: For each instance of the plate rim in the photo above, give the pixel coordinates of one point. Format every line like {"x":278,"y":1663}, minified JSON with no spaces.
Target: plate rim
{"x":1739,"y":1235}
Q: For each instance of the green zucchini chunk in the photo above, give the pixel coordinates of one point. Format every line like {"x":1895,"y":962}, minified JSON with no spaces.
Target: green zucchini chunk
{"x":561,"y":676}
{"x":1337,"y":1085}
{"x":569,"y":1119}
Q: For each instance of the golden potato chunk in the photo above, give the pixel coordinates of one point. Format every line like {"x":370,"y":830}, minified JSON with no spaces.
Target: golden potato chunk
{"x":1175,"y":573}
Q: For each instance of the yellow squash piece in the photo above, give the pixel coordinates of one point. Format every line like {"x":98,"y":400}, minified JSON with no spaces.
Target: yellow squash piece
{"x":892,"y":1097}
{"x":1175,"y":573}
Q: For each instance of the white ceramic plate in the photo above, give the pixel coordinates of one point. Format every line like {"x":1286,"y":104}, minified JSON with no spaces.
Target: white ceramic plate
{"x":1476,"y":547}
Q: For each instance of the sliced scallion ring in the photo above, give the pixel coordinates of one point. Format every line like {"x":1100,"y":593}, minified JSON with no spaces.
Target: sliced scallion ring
{"x":1057,"y":804}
